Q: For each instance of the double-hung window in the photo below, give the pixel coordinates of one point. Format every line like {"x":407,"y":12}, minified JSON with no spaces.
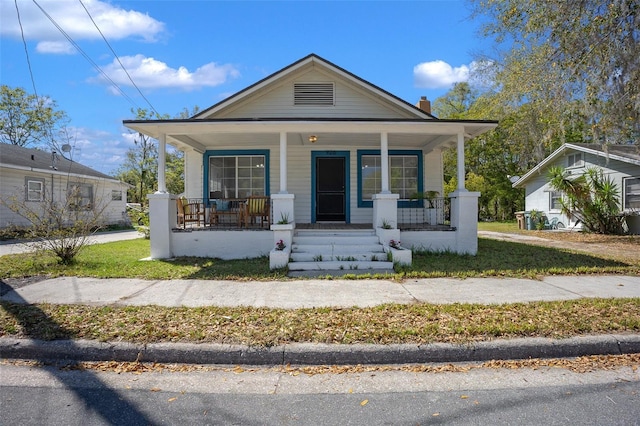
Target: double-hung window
{"x":237,"y":174}
{"x":632,"y":193}
{"x":405,"y":171}
{"x":575,"y":160}
{"x":34,"y":189}
{"x":555,"y":199}
{"x":80,"y":195}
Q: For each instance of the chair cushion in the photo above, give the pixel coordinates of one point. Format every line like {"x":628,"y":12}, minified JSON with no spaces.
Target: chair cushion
{"x":221,"y":205}
{"x":256,"y":205}
{"x":185,"y":205}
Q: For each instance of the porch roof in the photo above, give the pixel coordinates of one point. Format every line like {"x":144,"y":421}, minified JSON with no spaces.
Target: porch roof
{"x":425,"y":133}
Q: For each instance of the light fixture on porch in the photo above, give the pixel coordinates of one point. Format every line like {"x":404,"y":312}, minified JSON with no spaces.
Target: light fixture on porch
{"x":313,"y":138}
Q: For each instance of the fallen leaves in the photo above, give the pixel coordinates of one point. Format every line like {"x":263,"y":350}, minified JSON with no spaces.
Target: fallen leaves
{"x":263,"y":327}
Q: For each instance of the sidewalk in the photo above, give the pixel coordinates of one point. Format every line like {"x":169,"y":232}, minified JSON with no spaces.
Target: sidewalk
{"x":319,"y":293}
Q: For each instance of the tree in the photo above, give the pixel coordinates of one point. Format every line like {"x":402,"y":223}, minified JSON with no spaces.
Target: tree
{"x":175,"y":172}
{"x":490,"y":158}
{"x":591,"y":198}
{"x":572,"y":61}
{"x":28,"y":119}
{"x":63,"y":226}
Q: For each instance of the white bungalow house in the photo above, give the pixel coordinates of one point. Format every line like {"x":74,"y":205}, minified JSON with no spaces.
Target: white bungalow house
{"x":330,"y":150}
{"x":620,"y":162}
{"x":29,"y":177}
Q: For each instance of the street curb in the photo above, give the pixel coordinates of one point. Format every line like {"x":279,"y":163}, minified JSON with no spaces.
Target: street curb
{"x":318,"y":354}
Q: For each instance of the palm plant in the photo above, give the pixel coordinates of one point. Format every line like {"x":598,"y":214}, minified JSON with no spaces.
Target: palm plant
{"x":591,"y":198}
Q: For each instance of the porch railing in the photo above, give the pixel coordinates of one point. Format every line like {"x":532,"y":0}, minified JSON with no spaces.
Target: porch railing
{"x":436,"y":212}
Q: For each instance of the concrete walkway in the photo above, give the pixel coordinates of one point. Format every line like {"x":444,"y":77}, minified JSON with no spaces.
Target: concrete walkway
{"x":320,"y":293}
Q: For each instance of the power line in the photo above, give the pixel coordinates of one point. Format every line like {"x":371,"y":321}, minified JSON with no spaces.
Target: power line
{"x":26,"y":50}
{"x":118,"y":59}
{"x":85,"y":55}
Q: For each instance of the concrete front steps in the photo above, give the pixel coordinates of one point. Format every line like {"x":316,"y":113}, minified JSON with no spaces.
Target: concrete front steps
{"x":338,"y":250}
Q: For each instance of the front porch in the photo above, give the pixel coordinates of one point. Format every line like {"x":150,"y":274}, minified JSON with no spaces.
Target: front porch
{"x":235,"y":240}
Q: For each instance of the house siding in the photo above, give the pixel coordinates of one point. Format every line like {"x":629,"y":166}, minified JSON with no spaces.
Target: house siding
{"x":13,"y":184}
{"x":349,"y":102}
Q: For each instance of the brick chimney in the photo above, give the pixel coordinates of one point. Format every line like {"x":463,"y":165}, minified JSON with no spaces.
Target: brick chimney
{"x":424,"y":104}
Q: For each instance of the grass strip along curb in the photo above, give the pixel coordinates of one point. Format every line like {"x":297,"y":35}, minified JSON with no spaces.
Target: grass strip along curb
{"x":263,"y":327}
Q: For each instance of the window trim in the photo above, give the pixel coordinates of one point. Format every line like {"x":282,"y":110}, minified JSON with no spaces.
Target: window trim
{"x":234,"y":153}
{"x":27,"y":181}
{"x":405,"y":152}
{"x":624,"y":192}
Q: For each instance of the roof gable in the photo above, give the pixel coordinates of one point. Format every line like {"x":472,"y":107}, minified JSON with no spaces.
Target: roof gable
{"x":273,"y":97}
{"x":625,"y":153}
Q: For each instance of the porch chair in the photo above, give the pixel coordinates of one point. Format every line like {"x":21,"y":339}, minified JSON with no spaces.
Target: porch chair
{"x":258,"y":207}
{"x":189,"y":212}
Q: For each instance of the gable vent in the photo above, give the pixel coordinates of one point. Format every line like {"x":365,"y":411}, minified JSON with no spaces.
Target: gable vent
{"x":313,"y":94}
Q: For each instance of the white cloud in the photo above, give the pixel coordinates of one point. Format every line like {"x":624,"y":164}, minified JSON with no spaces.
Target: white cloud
{"x":151,"y":73}
{"x":56,"y":47}
{"x":439,"y":74}
{"x":114,"y":22}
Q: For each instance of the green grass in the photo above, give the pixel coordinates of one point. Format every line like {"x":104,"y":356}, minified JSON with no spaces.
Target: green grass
{"x":508,"y":259}
{"x":494,"y":258}
{"x":507,"y":227}
{"x":387,"y":324}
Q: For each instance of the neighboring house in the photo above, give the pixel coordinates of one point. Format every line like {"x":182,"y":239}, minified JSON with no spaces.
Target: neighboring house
{"x":327,"y":147}
{"x":31,"y":176}
{"x":620,"y":162}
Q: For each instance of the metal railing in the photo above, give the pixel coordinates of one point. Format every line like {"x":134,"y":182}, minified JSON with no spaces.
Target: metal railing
{"x":435,"y":214}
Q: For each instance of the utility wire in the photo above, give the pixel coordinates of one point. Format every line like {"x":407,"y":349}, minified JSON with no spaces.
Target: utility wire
{"x":26,"y":51}
{"x":85,"y":55}
{"x":118,"y":59}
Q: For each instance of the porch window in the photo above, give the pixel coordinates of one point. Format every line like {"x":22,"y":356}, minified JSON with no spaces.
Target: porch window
{"x":632,"y":193}
{"x":34,"y":189}
{"x":405,"y":172}
{"x":80,"y":195}
{"x":236,"y":174}
{"x":555,"y":198}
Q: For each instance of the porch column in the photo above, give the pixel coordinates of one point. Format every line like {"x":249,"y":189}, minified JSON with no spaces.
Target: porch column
{"x":384,"y":162}
{"x":162,"y":219}
{"x":162,"y":164}
{"x":283,"y":162}
{"x":461,"y":174}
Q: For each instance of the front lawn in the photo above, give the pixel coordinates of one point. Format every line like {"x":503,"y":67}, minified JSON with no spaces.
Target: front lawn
{"x":495,"y":258}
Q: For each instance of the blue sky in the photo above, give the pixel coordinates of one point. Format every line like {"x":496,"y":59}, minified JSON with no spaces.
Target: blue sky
{"x":186,"y":53}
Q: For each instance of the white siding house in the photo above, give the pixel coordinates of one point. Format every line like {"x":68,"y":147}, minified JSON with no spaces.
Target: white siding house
{"x":31,"y":176}
{"x":620,"y":162}
{"x":327,"y":147}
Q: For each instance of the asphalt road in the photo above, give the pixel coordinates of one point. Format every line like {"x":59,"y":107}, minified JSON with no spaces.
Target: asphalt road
{"x":549,"y":396}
